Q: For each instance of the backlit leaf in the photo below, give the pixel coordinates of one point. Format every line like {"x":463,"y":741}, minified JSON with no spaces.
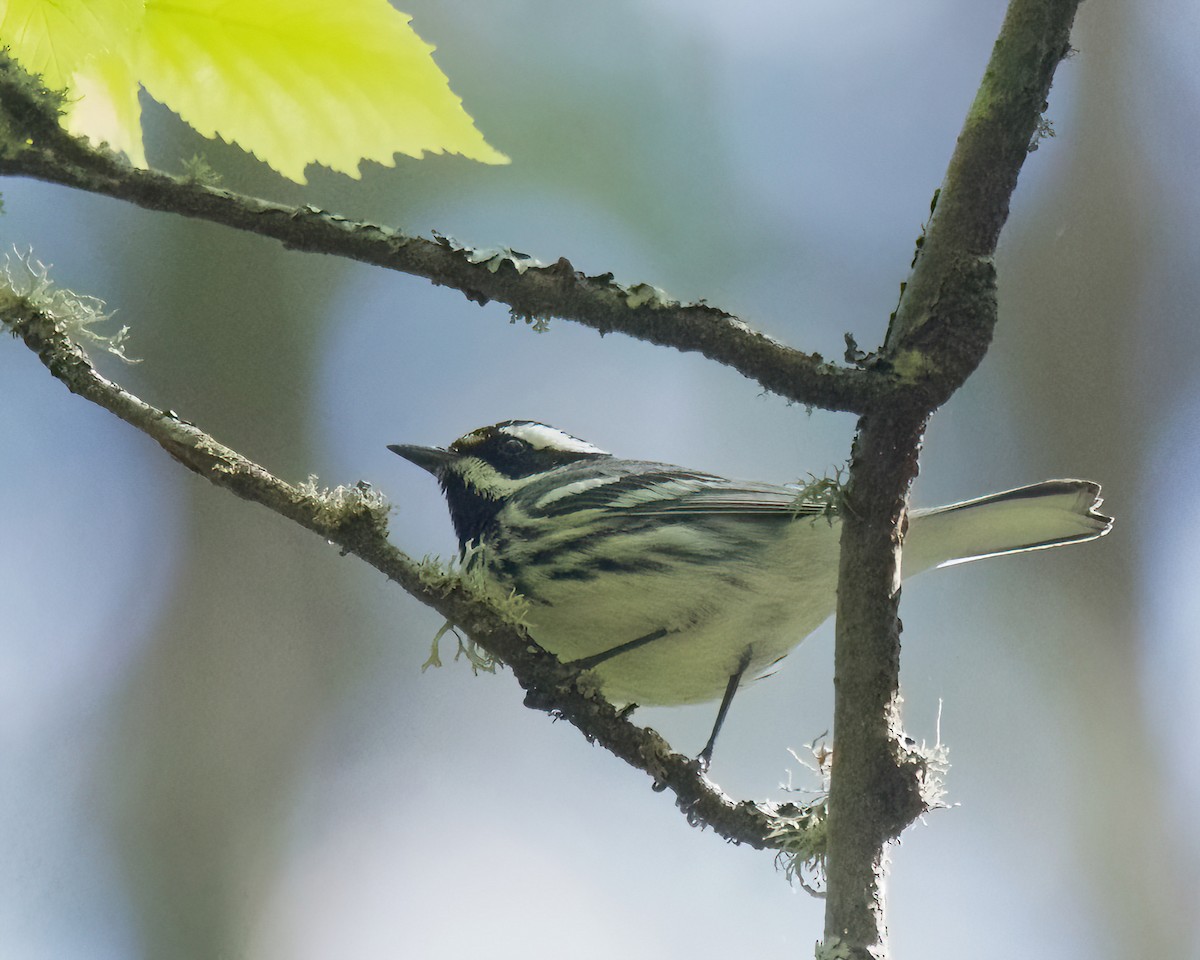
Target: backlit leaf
{"x":303,"y":81}
{"x":57,"y":38}
{"x":292,"y":81}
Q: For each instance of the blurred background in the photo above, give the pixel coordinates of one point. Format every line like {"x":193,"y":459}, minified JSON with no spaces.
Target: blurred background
{"x":215,"y":734}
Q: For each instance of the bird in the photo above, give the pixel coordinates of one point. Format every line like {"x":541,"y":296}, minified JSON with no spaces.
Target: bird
{"x":676,"y":586}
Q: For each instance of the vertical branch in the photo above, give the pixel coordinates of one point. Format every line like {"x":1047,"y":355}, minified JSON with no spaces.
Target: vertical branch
{"x":939,"y":335}
{"x":937,"y":338}
{"x":874,"y":793}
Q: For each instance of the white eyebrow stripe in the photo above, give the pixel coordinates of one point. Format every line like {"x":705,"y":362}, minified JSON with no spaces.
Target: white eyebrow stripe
{"x":541,"y":437}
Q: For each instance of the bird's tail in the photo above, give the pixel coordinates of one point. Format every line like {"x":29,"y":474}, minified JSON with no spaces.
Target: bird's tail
{"x":1042,"y":515}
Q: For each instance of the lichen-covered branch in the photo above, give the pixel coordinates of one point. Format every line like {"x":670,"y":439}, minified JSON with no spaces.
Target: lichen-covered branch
{"x":944,"y":323}
{"x":355,"y":519}
{"x":937,"y":338}
{"x":32,"y":144}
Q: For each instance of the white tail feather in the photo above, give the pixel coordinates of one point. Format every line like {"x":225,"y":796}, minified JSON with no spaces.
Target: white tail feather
{"x":1029,"y":518}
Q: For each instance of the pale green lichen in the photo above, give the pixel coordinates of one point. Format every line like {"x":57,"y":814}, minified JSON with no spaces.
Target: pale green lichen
{"x":437,"y":576}
{"x":442,"y":578}
{"x":25,"y":286}
{"x":479,"y":659}
{"x":933,"y":765}
{"x":801,"y":837}
{"x":493,"y":258}
{"x":645,"y":294}
{"x":913,"y":365}
{"x":821,"y":497}
{"x":633,"y":295}
{"x":539,"y":322}
{"x":933,"y":777}
{"x":835,"y":948}
{"x":198,"y":170}
{"x":340,"y":504}
{"x":435,"y":655}
{"x":1043,"y":131}
{"x":800,"y":840}
{"x":820,"y":767}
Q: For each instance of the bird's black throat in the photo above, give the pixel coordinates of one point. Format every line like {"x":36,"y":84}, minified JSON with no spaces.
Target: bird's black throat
{"x":472,"y":515}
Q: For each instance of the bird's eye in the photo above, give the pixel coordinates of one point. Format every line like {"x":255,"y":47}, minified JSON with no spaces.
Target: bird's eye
{"x":513,"y":447}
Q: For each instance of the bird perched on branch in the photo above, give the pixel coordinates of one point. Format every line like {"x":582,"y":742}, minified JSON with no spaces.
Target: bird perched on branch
{"x":674,"y":585}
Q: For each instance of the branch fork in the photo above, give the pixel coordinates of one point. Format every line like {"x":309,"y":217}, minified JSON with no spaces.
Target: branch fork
{"x":937,"y":337}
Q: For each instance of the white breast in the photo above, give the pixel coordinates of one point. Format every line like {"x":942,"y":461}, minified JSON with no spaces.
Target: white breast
{"x":767,"y":600}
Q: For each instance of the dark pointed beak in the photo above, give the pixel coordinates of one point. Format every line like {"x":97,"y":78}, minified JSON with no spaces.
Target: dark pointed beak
{"x":433,"y":459}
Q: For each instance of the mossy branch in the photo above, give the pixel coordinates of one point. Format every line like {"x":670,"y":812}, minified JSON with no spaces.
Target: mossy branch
{"x":354,"y":519}
{"x":937,"y":338}
{"x":32,"y":144}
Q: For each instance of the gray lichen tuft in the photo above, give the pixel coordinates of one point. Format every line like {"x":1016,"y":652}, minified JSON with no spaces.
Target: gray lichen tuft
{"x":25,"y":286}
{"x":337,"y":506}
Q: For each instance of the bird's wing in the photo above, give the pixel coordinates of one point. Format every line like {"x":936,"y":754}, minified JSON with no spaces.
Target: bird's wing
{"x":654,"y":489}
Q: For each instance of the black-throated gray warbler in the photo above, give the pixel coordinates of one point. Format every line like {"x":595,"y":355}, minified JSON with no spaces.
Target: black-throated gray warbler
{"x":673,"y":585}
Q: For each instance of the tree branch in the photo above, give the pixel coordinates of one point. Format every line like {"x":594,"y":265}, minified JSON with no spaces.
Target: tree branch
{"x":936,"y":340}
{"x":940,"y":333}
{"x":32,"y":144}
{"x":355,"y":519}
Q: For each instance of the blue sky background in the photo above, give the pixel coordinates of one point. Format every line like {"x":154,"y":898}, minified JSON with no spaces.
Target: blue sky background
{"x":216,"y":736}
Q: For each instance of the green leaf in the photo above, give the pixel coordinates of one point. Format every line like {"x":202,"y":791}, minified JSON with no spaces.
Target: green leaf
{"x":292,"y":81}
{"x":58,"y":38}
{"x":105,"y":106}
{"x":305,"y":81}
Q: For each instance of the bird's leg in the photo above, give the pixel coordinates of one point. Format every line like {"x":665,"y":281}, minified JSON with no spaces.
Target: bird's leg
{"x":735,"y":679}
{"x":586,"y":663}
